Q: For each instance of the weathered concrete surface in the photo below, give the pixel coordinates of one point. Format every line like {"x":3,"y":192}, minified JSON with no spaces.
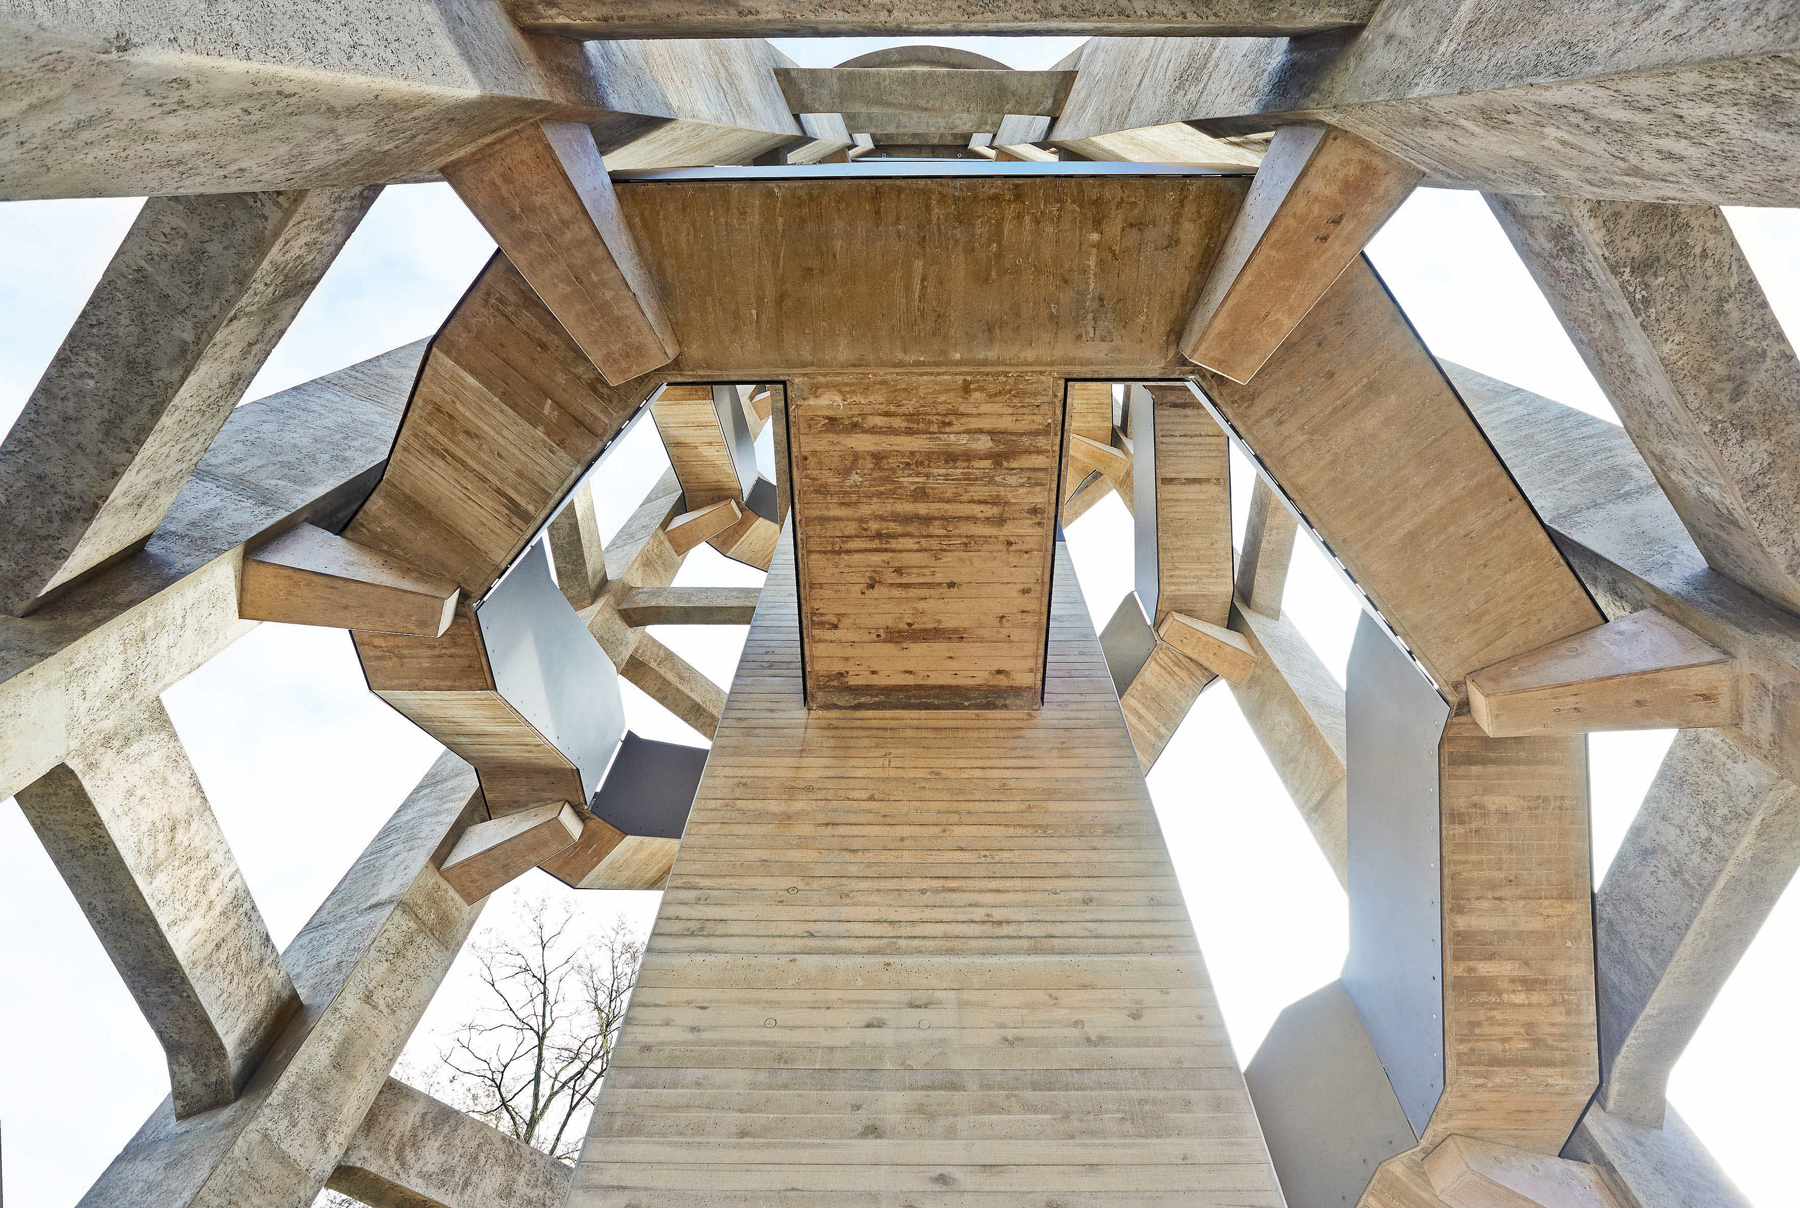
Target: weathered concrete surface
{"x":786,"y":18}
{"x":128,"y":826}
{"x":923,"y":90}
{"x":1673,"y":102}
{"x":109,"y":100}
{"x":685,"y":103}
{"x":1612,"y":521}
{"x":1268,"y":551}
{"x":132,"y":630}
{"x":184,"y":316}
{"x":1645,"y":1167}
{"x":366,"y":966}
{"x":1707,"y":857}
{"x":414,"y":1151}
{"x":1296,"y":710}
{"x":100,"y":100}
{"x":1669,"y":316}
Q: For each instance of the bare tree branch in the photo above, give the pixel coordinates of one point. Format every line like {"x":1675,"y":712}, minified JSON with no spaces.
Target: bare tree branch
{"x":533,"y":1059}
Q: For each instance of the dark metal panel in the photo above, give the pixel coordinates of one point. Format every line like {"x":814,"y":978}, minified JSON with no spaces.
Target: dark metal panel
{"x":1394,"y":721}
{"x":1327,"y":1110}
{"x":650,"y":787}
{"x":548,"y":666}
{"x":1127,"y":642}
{"x":736,"y":426}
{"x":762,"y":500}
{"x":1143,"y":494}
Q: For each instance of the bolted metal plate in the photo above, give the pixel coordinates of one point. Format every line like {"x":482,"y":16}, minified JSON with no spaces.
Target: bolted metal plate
{"x":548,"y":666}
{"x":1394,"y":721}
{"x":1327,"y":1110}
{"x":1127,"y":642}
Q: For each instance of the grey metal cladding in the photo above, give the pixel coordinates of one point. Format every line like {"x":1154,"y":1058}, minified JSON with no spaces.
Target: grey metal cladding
{"x":1127,"y":642}
{"x":1394,"y":721}
{"x":1327,"y":1110}
{"x":761,"y":499}
{"x":736,"y":426}
{"x":1143,"y":494}
{"x":547,"y":666}
{"x":650,"y":787}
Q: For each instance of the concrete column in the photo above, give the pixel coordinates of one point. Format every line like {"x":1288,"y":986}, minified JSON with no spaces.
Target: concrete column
{"x":1648,"y":1167}
{"x":1671,"y":320}
{"x":129,"y":828}
{"x":1705,"y":860}
{"x":184,"y":316}
{"x":414,"y":1151}
{"x":366,"y":966}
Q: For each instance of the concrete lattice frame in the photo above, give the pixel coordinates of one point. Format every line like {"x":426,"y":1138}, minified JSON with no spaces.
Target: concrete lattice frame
{"x":1606,"y":144}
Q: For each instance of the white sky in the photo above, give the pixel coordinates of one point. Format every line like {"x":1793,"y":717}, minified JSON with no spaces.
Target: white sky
{"x":302,"y":765}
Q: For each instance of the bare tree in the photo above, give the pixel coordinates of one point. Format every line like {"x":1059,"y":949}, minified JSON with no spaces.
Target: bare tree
{"x":532,"y":1060}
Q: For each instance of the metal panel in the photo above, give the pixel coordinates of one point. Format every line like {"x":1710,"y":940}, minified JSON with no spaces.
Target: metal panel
{"x":1394,"y":721}
{"x":1327,"y":1110}
{"x":762,"y":500}
{"x":736,"y":426}
{"x":1127,"y":642}
{"x":1143,"y":494}
{"x":650,"y":787}
{"x":548,"y":666}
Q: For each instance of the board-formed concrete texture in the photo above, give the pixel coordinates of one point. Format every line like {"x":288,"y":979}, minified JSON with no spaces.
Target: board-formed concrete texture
{"x":920,"y":940}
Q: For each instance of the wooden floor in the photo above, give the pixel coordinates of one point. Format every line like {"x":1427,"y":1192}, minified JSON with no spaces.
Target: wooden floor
{"x":912,"y":958}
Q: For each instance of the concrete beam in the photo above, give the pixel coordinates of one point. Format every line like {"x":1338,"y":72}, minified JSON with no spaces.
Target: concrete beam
{"x":1319,"y":196}
{"x":308,"y":576}
{"x":414,"y":1151}
{"x":363,"y":92}
{"x":269,"y":97}
{"x":544,"y":195}
{"x":1268,"y":551}
{"x":688,"y":103}
{"x":1646,"y":1167}
{"x":1618,"y":530}
{"x":1468,"y":1173}
{"x":1684,"y":103}
{"x":1670,"y":318}
{"x":577,"y":550}
{"x":689,"y":605}
{"x":1406,"y":493}
{"x":184,"y":316}
{"x":1164,"y":143}
{"x":135,"y":628}
{"x":129,"y":828}
{"x":923,"y":90}
{"x":1707,"y":857}
{"x":1296,"y":710}
{"x":366,"y":967}
{"x":675,"y":684}
{"x":1640,"y":672}
{"x":784,"y":18}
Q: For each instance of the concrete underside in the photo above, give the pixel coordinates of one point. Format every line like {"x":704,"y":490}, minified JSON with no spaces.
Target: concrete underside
{"x":923,"y":956}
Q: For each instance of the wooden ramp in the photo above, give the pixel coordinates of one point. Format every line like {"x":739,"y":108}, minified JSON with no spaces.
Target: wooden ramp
{"x":911,"y":957}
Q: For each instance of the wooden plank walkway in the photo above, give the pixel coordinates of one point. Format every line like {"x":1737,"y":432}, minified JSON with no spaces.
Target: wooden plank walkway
{"x":923,"y":957}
